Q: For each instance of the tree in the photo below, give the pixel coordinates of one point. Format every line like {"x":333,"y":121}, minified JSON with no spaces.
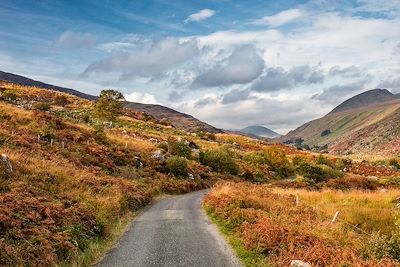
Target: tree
{"x":109,"y":105}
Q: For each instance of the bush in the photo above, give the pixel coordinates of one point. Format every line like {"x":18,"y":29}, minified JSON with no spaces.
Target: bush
{"x":61,"y":100}
{"x":179,"y":147}
{"x":325,"y":132}
{"x":395,"y":163}
{"x":219,"y":160}
{"x":255,"y":158}
{"x":317,"y":173}
{"x":177,"y":166}
{"x":42,"y":106}
{"x":277,"y":161}
{"x":381,"y":246}
{"x":322,"y":160}
{"x":297,"y":160}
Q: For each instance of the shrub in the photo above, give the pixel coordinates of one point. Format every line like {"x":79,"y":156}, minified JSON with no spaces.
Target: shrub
{"x":297,"y":160}
{"x":178,"y":147}
{"x":381,"y":246}
{"x":325,"y":132}
{"x":255,"y":158}
{"x":42,"y":106}
{"x":219,"y":160}
{"x":177,"y":166}
{"x":395,"y":163}
{"x":61,"y":100}
{"x":277,"y":161}
{"x":317,"y":173}
{"x":322,"y":160}
{"x":99,"y":134}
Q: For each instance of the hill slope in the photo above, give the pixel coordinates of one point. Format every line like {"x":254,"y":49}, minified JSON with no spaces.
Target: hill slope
{"x":356,"y":128}
{"x":177,"y":119}
{"x":367,"y":98}
{"x":260,"y":131}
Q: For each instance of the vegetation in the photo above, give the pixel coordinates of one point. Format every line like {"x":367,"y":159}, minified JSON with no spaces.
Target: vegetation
{"x":271,"y":225}
{"x":95,"y":164}
{"x":220,"y":160}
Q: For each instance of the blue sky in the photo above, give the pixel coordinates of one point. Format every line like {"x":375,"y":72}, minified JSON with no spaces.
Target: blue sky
{"x":230,"y":63}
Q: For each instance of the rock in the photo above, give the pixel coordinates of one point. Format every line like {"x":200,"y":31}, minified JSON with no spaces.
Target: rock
{"x":158,"y":155}
{"x":195,"y":153}
{"x":7,"y":163}
{"x":138,"y":162}
{"x":298,"y":263}
{"x":190,"y":176}
{"x":273,"y":174}
{"x":373,"y":178}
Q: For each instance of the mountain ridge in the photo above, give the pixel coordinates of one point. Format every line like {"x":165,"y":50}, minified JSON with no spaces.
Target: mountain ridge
{"x":178,"y":119}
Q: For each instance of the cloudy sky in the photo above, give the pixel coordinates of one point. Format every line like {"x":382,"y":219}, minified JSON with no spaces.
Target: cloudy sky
{"x":229,"y":63}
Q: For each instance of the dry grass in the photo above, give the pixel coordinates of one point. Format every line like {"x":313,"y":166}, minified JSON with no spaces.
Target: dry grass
{"x":271,"y":224}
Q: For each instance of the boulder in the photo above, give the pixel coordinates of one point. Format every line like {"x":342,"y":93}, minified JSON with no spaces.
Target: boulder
{"x":6,"y":163}
{"x":158,"y":155}
{"x":191,"y":176}
{"x":298,"y":263}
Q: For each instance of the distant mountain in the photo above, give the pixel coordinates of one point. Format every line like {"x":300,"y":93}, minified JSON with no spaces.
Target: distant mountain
{"x":260,"y":131}
{"x":178,"y":119}
{"x":368,"y":124}
{"x":366,"y":98}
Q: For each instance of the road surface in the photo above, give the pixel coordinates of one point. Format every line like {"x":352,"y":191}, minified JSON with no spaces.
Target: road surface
{"x":174,"y":232}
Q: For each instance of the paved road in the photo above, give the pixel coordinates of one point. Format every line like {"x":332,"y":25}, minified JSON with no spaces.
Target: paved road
{"x":174,"y":232}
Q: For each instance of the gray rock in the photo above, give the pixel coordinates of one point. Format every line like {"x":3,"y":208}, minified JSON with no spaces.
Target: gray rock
{"x":7,"y":163}
{"x":158,"y":155}
{"x":190,"y":176}
{"x":298,"y":263}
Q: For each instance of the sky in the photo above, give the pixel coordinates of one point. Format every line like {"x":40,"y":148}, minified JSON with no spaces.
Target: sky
{"x":229,"y":63}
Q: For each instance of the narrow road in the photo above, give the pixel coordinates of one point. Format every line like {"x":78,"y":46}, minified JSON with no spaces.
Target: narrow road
{"x":174,"y":232}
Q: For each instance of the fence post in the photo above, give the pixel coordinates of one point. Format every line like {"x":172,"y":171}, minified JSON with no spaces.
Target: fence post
{"x":38,"y":138}
{"x":297,"y":200}
{"x":335,"y":217}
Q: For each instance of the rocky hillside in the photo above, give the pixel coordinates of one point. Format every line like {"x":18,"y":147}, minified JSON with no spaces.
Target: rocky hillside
{"x":177,"y":119}
{"x":259,"y":131}
{"x":358,"y":126}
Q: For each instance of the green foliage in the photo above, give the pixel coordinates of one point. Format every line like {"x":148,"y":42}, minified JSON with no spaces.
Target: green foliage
{"x":178,"y":147}
{"x":177,"y":166}
{"x":382,"y":246}
{"x":109,"y":105}
{"x":317,"y":173}
{"x":99,"y":134}
{"x":322,"y":160}
{"x":298,"y":159}
{"x":9,"y":95}
{"x":276,"y":159}
{"x":220,"y":160}
{"x":255,"y":158}
{"x":42,"y":106}
{"x":395,"y":163}
{"x":325,"y":132}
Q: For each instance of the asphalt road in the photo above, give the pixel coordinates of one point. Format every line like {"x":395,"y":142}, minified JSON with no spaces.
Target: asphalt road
{"x":173,"y":232}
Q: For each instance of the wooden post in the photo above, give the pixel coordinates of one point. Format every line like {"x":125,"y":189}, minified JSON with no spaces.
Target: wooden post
{"x":335,"y":217}
{"x":126,"y":144}
{"x":62,"y":144}
{"x":38,"y":139}
{"x":51,"y":142}
{"x":297,"y":200}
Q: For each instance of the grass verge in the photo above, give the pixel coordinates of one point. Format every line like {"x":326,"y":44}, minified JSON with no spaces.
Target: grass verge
{"x":247,"y":257}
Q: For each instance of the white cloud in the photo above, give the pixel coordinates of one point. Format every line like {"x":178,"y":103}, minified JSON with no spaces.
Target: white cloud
{"x":75,"y":39}
{"x":138,"y":97}
{"x":241,"y":67}
{"x":281,"y":18}
{"x":151,"y":59}
{"x":200,"y":15}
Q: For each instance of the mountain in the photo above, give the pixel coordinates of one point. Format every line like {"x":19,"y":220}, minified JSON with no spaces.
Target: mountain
{"x":360,"y":125}
{"x":366,"y":98}
{"x":177,"y":119}
{"x":260,"y":131}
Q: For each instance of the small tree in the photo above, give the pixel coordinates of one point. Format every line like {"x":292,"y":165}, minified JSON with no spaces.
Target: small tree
{"x":109,"y":105}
